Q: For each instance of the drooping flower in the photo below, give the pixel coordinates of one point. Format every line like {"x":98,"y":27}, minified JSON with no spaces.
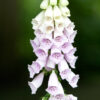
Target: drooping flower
{"x":36,"y":83}
{"x":63,"y":97}
{"x":72,"y":79}
{"x":70,"y":97}
{"x":63,"y":69}
{"x":54,"y":86}
{"x":56,"y":55}
{"x":37,"y":20}
{"x":36,"y":67}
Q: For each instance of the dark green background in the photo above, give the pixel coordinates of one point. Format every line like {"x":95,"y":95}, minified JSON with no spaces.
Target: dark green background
{"x":16,"y":52}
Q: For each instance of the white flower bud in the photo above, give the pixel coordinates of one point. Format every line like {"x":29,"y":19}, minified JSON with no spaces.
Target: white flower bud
{"x":63,"y":3}
{"x":49,"y":14}
{"x":44,"y":4}
{"x":53,"y":2}
{"x":65,"y":11}
{"x":57,"y":13}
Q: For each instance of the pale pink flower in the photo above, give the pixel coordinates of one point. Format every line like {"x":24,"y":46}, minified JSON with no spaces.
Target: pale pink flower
{"x":50,"y":64}
{"x":70,"y":97}
{"x":56,"y":55}
{"x":60,"y":40}
{"x":63,"y":69}
{"x":46,"y":43}
{"x":66,"y":47}
{"x":71,"y":59}
{"x":72,"y":79}
{"x":36,"y":83}
{"x":63,"y":97}
{"x":39,"y":34}
{"x":54,"y":86}
{"x":42,"y":53}
{"x":36,"y":67}
{"x":31,"y":71}
{"x":57,"y":97}
{"x":35,"y":43}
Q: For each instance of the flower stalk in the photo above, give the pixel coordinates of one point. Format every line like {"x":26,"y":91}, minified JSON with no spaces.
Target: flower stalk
{"x":53,"y":46}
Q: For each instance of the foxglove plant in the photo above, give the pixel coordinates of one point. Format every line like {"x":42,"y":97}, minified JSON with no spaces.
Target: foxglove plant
{"x":53,"y":46}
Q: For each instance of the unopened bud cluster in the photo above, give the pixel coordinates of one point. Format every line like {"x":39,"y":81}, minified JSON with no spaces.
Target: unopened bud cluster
{"x":53,"y":45}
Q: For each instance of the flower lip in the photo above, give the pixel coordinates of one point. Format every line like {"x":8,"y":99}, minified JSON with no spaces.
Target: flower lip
{"x":52,"y":90}
{"x":56,"y":55}
{"x":33,"y":88}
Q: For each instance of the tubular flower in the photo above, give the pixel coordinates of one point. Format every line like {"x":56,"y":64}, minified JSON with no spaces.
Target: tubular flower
{"x":53,"y":46}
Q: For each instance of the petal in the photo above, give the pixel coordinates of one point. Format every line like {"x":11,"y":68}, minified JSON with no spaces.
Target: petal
{"x":54,"y":86}
{"x":56,"y":55}
{"x":31,"y":71}
{"x":50,"y":64}
{"x":70,"y":97}
{"x":37,"y":20}
{"x":49,"y":14}
{"x":57,"y":13}
{"x":36,"y":83}
{"x":35,"y":43}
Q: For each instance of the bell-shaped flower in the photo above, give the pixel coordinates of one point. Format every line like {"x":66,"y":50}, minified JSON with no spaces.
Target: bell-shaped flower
{"x":56,"y":55}
{"x":63,"y":2}
{"x":65,"y":11}
{"x":46,"y":42}
{"x":53,"y":2}
{"x":57,"y":33}
{"x":70,"y":27}
{"x":57,"y":97}
{"x":41,"y":52}
{"x":44,"y":4}
{"x":71,"y":59}
{"x":54,"y":86}
{"x":50,"y":64}
{"x":49,"y":14}
{"x":39,"y":34}
{"x":35,"y":43}
{"x":67,"y":22}
{"x":36,"y":67}
{"x":60,"y":24}
{"x":47,"y":27}
{"x":72,"y":79}
{"x":72,"y":37}
{"x":36,"y":83}
{"x":56,"y":13}
{"x":66,"y":47}
{"x":70,"y":97}
{"x":37,"y":20}
{"x":31,"y":71}
{"x":63,"y":69}
{"x":63,"y":97}
{"x":60,"y":40}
